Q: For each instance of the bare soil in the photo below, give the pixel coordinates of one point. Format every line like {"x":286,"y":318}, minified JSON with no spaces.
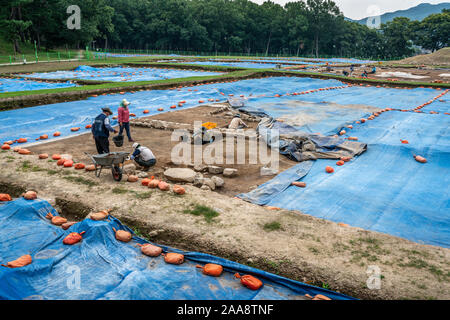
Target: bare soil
{"x":159,"y":141}
{"x":431,"y":74}
{"x":440,"y":57}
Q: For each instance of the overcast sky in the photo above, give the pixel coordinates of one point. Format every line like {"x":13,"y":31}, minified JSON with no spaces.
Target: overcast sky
{"x":358,"y":9}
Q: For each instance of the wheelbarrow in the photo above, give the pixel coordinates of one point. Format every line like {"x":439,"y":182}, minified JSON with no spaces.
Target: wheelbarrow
{"x":113,"y":160}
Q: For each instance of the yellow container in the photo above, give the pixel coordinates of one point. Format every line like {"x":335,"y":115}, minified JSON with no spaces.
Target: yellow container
{"x":209,"y":125}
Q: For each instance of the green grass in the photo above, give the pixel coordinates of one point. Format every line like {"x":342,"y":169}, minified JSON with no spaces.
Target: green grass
{"x":200,"y":210}
{"x":81,"y":180}
{"x":272,"y":226}
{"x":119,"y":190}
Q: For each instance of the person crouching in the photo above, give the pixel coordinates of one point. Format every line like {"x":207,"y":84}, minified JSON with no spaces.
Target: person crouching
{"x":143,"y":156}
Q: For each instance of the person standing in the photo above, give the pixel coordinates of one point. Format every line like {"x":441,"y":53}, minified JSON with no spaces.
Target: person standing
{"x":101,"y":129}
{"x":124,"y":119}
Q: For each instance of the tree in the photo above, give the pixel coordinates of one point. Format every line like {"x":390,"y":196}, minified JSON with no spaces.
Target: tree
{"x":12,"y":24}
{"x":433,"y":32}
{"x":322,"y":16}
{"x":398,"y":37}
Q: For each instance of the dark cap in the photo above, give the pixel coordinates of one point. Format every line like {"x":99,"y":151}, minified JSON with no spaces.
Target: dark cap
{"x":107,"y":110}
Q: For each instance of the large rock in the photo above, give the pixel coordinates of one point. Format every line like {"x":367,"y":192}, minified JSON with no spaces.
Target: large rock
{"x":198,"y":180}
{"x":180,"y":174}
{"x":208,"y":182}
{"x":218,"y":182}
{"x":200,"y":167}
{"x":265,"y":171}
{"x":129,"y":168}
{"x":215,"y":169}
{"x":229,"y":172}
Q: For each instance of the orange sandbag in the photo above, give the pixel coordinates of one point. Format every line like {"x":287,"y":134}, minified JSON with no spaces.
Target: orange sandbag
{"x":346,"y":159}
{"x":299,"y":184}
{"x":145,"y":182}
{"x":22,"y":140}
{"x":43,"y":156}
{"x":57,"y":134}
{"x":8,"y":142}
{"x":73,"y":238}
{"x":60,"y":162}
{"x":75,"y":129}
{"x":30,"y":195}
{"x":153,"y":183}
{"x":24,"y":151}
{"x":68,"y":163}
{"x":67,"y":225}
{"x":123,"y":235}
{"x":404,"y":141}
{"x":163,"y":186}
{"x":352,"y":138}
{"x":146,"y":111}
{"x":56,"y":220}
{"x":420,"y":159}
{"x":99,"y":215}
{"x":79,"y":166}
{"x":56,"y":157}
{"x":132,"y":178}
{"x":5,"y":197}
{"x":20,"y":262}
{"x":150,"y":250}
{"x":317,"y":297}
{"x":249,"y":281}
{"x":160,"y":109}
{"x":342,"y":132}
{"x":211,"y":269}
{"x":88,"y":126}
{"x":173,"y":258}
{"x":340,"y":163}
{"x":178,"y":189}
{"x":329,"y":169}
{"x":90,"y":167}
{"x":43,"y":137}
{"x":6,"y":147}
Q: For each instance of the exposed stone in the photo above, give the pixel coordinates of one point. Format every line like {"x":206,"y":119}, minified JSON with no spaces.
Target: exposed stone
{"x":200,"y":167}
{"x":218,"y":182}
{"x":268,"y":171}
{"x":205,"y":187}
{"x":142,"y":175}
{"x":229,"y":172}
{"x":180,"y":174}
{"x":129,"y":168}
{"x":198,"y":180}
{"x":215,"y":169}
{"x":208,"y":182}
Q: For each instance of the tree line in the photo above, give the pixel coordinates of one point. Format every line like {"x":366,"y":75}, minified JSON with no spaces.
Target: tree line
{"x":309,"y":27}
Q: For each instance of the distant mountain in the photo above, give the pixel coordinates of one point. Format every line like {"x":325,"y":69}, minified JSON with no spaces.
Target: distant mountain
{"x":415,"y":13}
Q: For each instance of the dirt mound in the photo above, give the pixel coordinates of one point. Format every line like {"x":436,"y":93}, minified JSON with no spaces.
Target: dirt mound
{"x":440,"y":57}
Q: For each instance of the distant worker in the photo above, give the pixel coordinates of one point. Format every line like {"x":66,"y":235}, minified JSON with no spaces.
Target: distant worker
{"x":351,"y":70}
{"x":345,"y":73}
{"x":101,"y":129}
{"x":237,"y":123}
{"x":143,"y":156}
{"x":124,"y":119}
{"x":364,"y":74}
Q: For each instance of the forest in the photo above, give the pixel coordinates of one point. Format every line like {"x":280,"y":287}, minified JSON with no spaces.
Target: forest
{"x":301,"y":28}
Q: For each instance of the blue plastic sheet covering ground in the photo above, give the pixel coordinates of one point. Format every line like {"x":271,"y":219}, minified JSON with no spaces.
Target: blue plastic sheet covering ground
{"x":120,"y":74}
{"x":384,"y":189}
{"x":100,"y":267}
{"x":13,"y":85}
{"x":35,"y":121}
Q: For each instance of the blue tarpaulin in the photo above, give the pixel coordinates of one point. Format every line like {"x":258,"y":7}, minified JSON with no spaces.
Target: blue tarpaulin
{"x":383,"y":189}
{"x":365,"y":192}
{"x":120,"y":74}
{"x":13,"y":85}
{"x":101,"y":267}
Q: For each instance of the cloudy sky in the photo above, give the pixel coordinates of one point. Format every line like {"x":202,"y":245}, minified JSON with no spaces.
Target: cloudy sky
{"x":358,"y":9}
